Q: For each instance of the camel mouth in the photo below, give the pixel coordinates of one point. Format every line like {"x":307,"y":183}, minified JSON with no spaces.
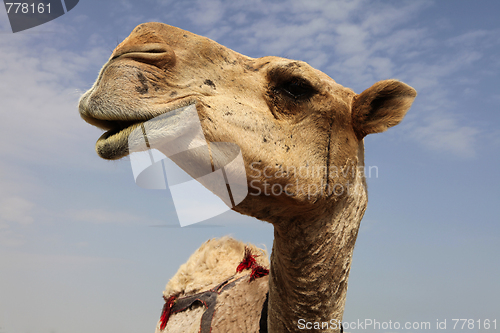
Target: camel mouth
{"x":111,"y":145}
{"x":114,"y":143}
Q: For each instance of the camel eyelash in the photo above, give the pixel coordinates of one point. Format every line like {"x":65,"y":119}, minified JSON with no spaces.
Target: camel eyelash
{"x":297,"y":89}
{"x":284,"y":82}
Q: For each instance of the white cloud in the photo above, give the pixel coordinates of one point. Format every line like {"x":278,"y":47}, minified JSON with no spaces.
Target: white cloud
{"x":47,"y":262}
{"x":474,"y":38}
{"x":443,"y":133}
{"x":206,"y":13}
{"x":103,"y":216}
{"x":9,"y":238}
{"x":108,"y":216}
{"x":16,"y":209}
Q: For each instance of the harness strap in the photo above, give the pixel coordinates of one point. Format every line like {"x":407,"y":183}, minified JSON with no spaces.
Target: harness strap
{"x":208,"y":299}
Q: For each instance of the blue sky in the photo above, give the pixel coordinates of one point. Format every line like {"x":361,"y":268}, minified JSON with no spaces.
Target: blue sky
{"x":84,"y":249}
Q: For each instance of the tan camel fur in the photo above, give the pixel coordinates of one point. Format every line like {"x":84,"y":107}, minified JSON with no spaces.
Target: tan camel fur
{"x":301,"y":137}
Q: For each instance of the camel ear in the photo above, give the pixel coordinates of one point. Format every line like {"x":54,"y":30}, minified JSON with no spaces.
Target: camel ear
{"x":381,"y":106}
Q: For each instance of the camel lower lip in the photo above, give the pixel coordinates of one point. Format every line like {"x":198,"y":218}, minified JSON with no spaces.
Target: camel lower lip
{"x":113,"y":144}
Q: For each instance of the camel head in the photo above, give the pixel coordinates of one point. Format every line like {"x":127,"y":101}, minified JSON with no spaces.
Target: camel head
{"x":300,"y":133}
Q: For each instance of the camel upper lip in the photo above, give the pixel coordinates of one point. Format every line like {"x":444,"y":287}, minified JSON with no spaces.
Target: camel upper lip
{"x":118,"y":124}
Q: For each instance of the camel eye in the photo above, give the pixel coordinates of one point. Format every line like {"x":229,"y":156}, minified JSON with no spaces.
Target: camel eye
{"x":297,"y":89}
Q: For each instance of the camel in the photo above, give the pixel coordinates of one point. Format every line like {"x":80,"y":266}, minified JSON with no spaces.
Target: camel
{"x":301,"y":136}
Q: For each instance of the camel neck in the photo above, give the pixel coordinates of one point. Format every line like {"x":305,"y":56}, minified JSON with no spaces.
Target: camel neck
{"x":310,"y":265}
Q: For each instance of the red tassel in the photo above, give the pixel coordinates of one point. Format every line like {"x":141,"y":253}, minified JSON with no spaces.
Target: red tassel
{"x":250,"y":262}
{"x":257,"y":272}
{"x":247,"y":262}
{"x":167,"y":308}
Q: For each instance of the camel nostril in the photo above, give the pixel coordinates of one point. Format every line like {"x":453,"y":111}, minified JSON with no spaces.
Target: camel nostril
{"x":156,"y":54}
{"x":156,"y":51}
